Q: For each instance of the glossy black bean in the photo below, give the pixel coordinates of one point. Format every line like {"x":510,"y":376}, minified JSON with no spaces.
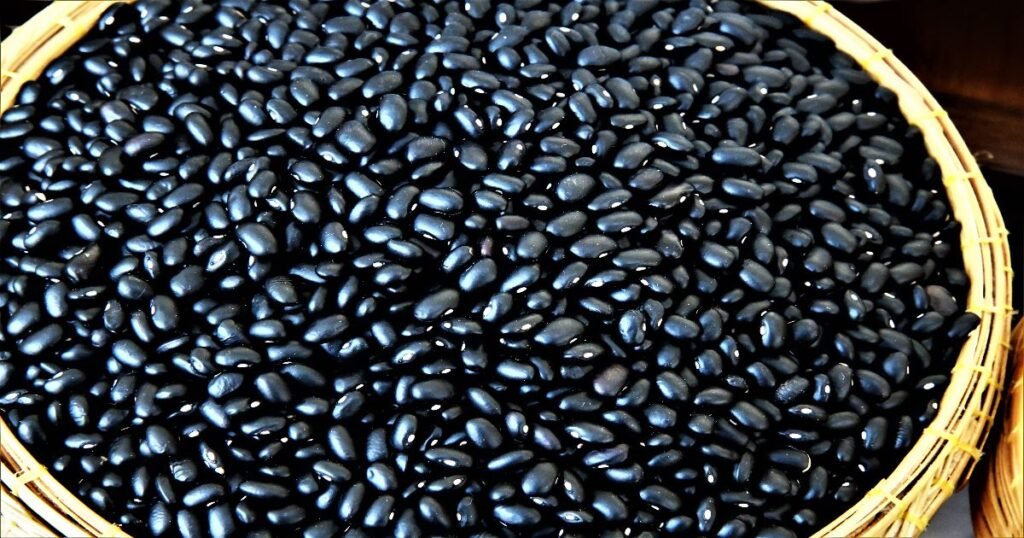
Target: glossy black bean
{"x":354,"y":137}
{"x":736,"y":156}
{"x":717,"y":256}
{"x":307,"y":172}
{"x":742,"y":189}
{"x":143,"y":145}
{"x":773,"y":331}
{"x":756,"y":276}
{"x":598,"y":56}
{"x":963,"y":325}
{"x":159,"y":440}
{"x":747,"y":414}
{"x":774,"y":482}
{"x":838,"y":237}
{"x":257,"y":239}
{"x":559,"y":332}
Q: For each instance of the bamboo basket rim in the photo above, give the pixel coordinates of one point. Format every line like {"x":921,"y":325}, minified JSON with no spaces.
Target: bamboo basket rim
{"x":899,"y":505}
{"x":998,"y":495}
{"x":941,"y":460}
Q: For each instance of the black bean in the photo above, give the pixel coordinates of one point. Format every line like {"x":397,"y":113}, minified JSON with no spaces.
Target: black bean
{"x":326,"y":328}
{"x":773,"y":331}
{"x":354,"y":137}
{"x":873,"y":384}
{"x":257,"y":239}
{"x":540,"y":479}
{"x":424,"y":148}
{"x":307,"y":172}
{"x":774,"y":482}
{"x":187,"y":281}
{"x":199,"y":128}
{"x":825,"y":210}
{"x":159,"y":519}
{"x":717,"y":256}
{"x":203,"y":494}
{"x":599,"y":56}
{"x":747,"y":414}
{"x":129,"y":353}
{"x":559,"y":332}
{"x":757,"y":277}
{"x":393,"y":112}
{"x":434,"y":227}
{"x":574,"y":187}
{"x":435,"y":389}
{"x":736,"y":156}
{"x":611,"y":381}
{"x":875,"y":434}
{"x":160,"y":440}
{"x":233,"y":356}
{"x":838,"y":237}
{"x":220,"y":521}
{"x":633,"y":156}
{"x":941,"y":300}
{"x":436,"y":305}
{"x":818,"y":260}
{"x":742,"y":189}
{"x":516,"y":515}
{"x":143,"y":145}
{"x":963,"y":325}
{"x":567,"y":225}
{"x":906,"y":272}
{"x":273,"y":387}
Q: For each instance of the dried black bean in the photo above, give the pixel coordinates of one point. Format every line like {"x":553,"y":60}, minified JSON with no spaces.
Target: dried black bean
{"x":736,"y":156}
{"x":141,"y":145}
{"x":257,"y":239}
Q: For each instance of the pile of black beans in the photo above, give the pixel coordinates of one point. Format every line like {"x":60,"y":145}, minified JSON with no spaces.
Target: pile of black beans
{"x":412,"y":268}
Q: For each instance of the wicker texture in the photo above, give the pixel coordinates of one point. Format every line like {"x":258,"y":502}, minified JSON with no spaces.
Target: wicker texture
{"x":900,"y":505}
{"x":998,"y":496}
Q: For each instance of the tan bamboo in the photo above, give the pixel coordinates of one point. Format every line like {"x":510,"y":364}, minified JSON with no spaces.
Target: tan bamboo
{"x":998,"y":496}
{"x":900,"y":505}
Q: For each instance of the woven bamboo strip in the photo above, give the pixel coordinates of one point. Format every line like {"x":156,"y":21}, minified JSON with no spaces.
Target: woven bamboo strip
{"x":899,"y":505}
{"x":998,"y":496}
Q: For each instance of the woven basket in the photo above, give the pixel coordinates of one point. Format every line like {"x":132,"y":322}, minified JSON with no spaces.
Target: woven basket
{"x":35,"y":504}
{"x":998,"y":496}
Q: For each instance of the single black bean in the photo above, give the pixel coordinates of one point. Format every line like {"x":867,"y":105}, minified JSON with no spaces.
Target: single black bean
{"x":736,"y":156}
{"x":257,"y":239}
{"x":142,"y":145}
{"x":599,"y":56}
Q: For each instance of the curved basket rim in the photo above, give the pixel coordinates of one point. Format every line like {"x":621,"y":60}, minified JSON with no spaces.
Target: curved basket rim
{"x":891,"y":507}
{"x":997,"y":497}
{"x":903,"y":502}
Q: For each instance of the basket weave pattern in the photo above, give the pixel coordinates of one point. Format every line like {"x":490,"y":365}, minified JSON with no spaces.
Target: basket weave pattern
{"x":899,"y":505}
{"x":998,"y":496}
